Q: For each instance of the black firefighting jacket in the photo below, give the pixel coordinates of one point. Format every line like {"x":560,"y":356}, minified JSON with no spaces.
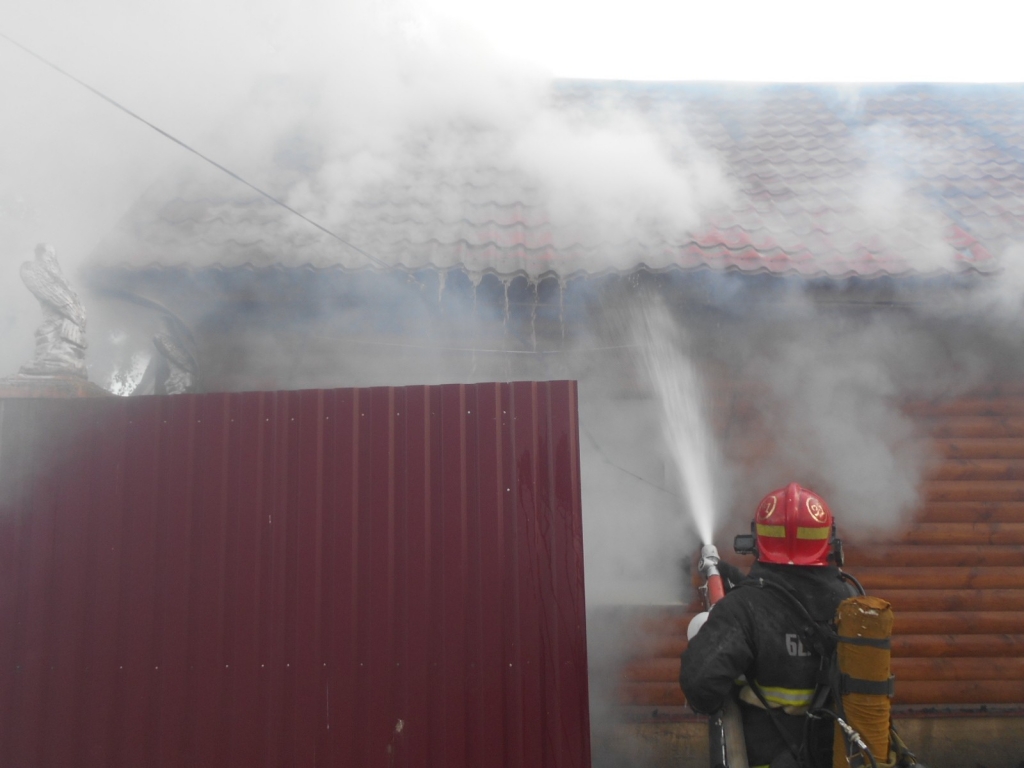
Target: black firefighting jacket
{"x":756,"y":634}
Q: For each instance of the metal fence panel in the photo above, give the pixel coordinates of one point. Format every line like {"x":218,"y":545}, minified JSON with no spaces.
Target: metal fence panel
{"x":360,"y":577}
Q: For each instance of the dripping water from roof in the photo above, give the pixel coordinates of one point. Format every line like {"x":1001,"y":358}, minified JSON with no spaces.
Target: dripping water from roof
{"x":475,"y":277}
{"x":561,"y":305}
{"x":533,"y":315}
{"x":506,"y":282}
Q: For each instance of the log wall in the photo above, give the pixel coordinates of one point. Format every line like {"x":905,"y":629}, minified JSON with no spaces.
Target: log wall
{"x":955,"y":577}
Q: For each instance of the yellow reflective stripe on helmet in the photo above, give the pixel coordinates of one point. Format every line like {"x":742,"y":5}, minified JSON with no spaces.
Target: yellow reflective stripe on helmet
{"x":787,"y":697}
{"x":772,"y":531}
{"x":813,"y":533}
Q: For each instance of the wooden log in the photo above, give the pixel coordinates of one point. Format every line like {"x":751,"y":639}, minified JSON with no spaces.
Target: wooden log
{"x":984,"y":469}
{"x":651,"y":695}
{"x":633,"y":615}
{"x":668,"y":625}
{"x":928,"y":646}
{"x":896,"y":577}
{"x":966,"y":407}
{"x":957,"y":645}
{"x":965,"y":533}
{"x":973,"y":490}
{"x":953,"y":599}
{"x":972,"y":512}
{"x":934,"y":555}
{"x":979,"y":447}
{"x":665,"y":646}
{"x":663,"y":669}
{"x":929,"y":692}
{"x":917,"y":692}
{"x":907,"y":623}
{"x":931,"y":669}
{"x":977,"y":426}
{"x":666,"y":670}
{"x":962,"y":622}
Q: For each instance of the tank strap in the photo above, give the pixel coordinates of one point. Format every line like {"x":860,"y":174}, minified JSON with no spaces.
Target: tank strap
{"x":824,"y":637}
{"x":874,"y":642}
{"x":849,"y":684}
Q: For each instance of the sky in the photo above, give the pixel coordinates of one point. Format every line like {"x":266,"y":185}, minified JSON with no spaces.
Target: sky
{"x":752,"y":40}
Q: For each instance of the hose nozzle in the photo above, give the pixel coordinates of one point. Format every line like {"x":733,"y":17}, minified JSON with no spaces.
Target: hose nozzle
{"x":714,"y":588}
{"x":709,"y":560}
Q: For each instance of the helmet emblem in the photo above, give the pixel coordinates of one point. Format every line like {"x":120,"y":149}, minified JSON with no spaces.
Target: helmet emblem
{"x":768,"y":508}
{"x":814,"y":507}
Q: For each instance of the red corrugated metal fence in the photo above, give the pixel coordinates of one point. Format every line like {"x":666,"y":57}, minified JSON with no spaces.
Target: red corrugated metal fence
{"x":375,"y":577}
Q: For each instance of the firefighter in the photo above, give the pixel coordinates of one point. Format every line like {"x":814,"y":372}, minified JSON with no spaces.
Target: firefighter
{"x":756,"y":644}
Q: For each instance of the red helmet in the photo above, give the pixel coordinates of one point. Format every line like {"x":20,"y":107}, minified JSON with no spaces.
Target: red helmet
{"x":793,"y":527}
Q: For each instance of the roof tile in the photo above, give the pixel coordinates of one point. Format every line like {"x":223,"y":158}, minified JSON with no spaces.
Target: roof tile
{"x":943,"y":165}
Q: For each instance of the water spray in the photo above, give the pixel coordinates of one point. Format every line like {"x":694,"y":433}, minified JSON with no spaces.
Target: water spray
{"x":687,"y":435}
{"x":695,"y":454}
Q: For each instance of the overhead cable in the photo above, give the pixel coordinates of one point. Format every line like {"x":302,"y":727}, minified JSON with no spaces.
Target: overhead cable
{"x":196,"y":152}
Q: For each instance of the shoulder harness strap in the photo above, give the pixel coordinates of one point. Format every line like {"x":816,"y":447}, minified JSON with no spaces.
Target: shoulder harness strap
{"x":823,"y":638}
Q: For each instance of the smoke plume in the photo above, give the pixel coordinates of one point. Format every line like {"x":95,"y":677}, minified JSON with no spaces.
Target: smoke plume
{"x":335,"y":107}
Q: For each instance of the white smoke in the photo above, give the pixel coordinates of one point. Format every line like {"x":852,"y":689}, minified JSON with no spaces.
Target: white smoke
{"x":362,"y":96}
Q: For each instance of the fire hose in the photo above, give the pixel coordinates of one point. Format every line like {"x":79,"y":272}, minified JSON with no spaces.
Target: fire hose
{"x":725,"y":727}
